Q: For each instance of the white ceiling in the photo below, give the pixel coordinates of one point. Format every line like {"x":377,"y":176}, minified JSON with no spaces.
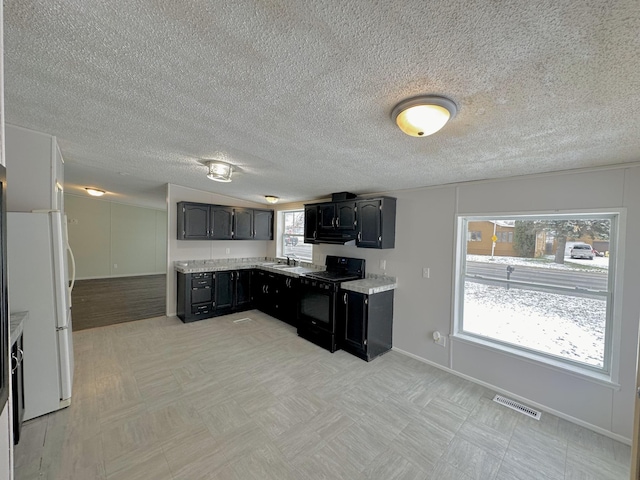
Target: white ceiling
{"x":298,"y":95}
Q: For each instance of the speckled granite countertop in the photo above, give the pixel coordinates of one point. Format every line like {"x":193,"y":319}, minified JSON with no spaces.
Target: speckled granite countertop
{"x":370,"y":285}
{"x":16,"y":324}
{"x":270,"y":265}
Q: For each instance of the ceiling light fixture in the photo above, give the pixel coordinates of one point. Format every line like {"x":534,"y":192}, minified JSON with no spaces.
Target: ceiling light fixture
{"x":271,"y":198}
{"x":219,"y":171}
{"x":94,"y":192}
{"x":424,"y":115}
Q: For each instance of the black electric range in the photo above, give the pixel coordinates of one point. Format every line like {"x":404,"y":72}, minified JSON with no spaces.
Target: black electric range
{"x":318,"y":317}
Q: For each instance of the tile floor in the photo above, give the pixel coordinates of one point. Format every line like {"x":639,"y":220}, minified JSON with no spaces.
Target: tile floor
{"x":158,"y":399}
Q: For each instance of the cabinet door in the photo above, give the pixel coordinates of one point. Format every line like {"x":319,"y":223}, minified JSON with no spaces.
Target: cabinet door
{"x":258,"y":286}
{"x":346,"y":216}
{"x":327,"y":217}
{"x":242,"y":223}
{"x":17,"y":379}
{"x":310,"y":223}
{"x":263,"y":224}
{"x":224,"y":290}
{"x":221,"y":222}
{"x":193,"y":221}
{"x":243,"y":287}
{"x":369,"y":224}
{"x":289,"y":300}
{"x":355,"y":321}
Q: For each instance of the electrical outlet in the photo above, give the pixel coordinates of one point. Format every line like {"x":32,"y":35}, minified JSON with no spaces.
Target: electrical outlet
{"x":227,"y":251}
{"x":440,"y":339}
{"x":426,"y":272}
{"x":383,"y":264}
{"x":115,"y":265}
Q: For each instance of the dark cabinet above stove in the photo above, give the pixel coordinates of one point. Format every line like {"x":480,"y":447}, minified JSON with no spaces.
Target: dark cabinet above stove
{"x":366,"y":223}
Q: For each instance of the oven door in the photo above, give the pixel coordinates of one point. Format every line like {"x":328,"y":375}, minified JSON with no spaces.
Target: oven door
{"x":317,"y":305}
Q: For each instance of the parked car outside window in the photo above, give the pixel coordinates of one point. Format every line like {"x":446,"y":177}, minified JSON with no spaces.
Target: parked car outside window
{"x":582,"y":250}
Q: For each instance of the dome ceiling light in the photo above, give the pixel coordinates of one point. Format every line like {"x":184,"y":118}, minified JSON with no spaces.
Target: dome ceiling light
{"x":219,"y":171}
{"x":424,"y":115}
{"x":94,"y":192}
{"x":271,"y":198}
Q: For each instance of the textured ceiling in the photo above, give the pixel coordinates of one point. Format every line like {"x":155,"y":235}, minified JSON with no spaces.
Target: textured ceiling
{"x":298,"y":95}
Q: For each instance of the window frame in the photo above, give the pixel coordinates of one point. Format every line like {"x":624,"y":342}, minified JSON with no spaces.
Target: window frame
{"x":609,"y":373}
{"x":282,"y":233}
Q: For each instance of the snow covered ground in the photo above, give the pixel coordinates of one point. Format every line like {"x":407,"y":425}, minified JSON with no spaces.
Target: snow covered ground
{"x":598,"y":263}
{"x":562,"y":325}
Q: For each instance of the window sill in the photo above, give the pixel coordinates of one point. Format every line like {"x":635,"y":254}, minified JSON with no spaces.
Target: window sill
{"x":603,"y":379}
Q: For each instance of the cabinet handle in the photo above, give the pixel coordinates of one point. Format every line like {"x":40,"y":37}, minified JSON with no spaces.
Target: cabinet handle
{"x":314,"y":234}
{"x":21,"y":355}
{"x":344,"y":298}
{"x":13,"y":369}
{"x":359,"y":236}
{"x":337,"y":222}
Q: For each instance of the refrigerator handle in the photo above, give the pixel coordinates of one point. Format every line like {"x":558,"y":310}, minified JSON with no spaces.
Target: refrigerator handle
{"x":73,"y":265}
{"x":73,"y":259}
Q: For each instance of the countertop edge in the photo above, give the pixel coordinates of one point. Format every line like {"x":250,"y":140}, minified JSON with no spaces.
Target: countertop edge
{"x":16,"y":322}
{"x":370,"y":285}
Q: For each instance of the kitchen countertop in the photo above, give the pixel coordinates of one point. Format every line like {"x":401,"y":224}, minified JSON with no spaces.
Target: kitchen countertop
{"x":16,"y":325}
{"x":269,"y":265}
{"x":370,"y":285}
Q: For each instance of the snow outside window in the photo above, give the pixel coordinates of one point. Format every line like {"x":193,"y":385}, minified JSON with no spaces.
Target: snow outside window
{"x":531,"y":295}
{"x":293,"y":236}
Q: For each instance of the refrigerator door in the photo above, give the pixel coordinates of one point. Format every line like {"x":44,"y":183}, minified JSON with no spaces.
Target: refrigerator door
{"x":32,"y":288}
{"x":65,"y":352}
{"x":60,"y":272}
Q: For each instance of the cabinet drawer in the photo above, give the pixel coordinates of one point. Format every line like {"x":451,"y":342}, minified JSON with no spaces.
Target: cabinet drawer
{"x":201,"y":295}
{"x":201,"y":309}
{"x":201,"y":282}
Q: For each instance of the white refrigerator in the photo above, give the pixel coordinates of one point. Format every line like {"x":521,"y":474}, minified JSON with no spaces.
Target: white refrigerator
{"x":39,"y":282}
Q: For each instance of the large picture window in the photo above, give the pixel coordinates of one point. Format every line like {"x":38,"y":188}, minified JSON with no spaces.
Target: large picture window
{"x":293,"y":236}
{"x":536,"y":284}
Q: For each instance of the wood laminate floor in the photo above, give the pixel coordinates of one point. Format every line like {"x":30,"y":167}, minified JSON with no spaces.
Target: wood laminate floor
{"x":107,"y":301}
{"x":219,"y":399}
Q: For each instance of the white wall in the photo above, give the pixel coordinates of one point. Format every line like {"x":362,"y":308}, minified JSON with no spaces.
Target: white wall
{"x":6,"y":437}
{"x":425,"y":237}
{"x":203,"y":249}
{"x":111,"y":239}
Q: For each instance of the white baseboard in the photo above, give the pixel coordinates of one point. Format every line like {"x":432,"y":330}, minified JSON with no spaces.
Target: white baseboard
{"x":569,"y":418}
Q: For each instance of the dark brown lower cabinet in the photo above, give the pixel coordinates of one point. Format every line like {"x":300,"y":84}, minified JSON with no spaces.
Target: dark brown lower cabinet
{"x":365,"y":323}
{"x":209,"y":294}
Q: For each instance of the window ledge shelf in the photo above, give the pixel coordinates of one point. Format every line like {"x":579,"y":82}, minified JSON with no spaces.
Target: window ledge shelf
{"x":603,"y":379}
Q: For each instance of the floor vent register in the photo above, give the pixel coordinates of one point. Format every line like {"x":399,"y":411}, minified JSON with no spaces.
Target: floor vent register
{"x":517,"y":406}
{"x":240,"y":320}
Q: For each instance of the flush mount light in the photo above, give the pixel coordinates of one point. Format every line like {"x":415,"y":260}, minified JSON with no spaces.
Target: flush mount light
{"x":271,"y":198}
{"x":94,"y":192}
{"x":424,"y":115}
{"x":219,"y":171}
